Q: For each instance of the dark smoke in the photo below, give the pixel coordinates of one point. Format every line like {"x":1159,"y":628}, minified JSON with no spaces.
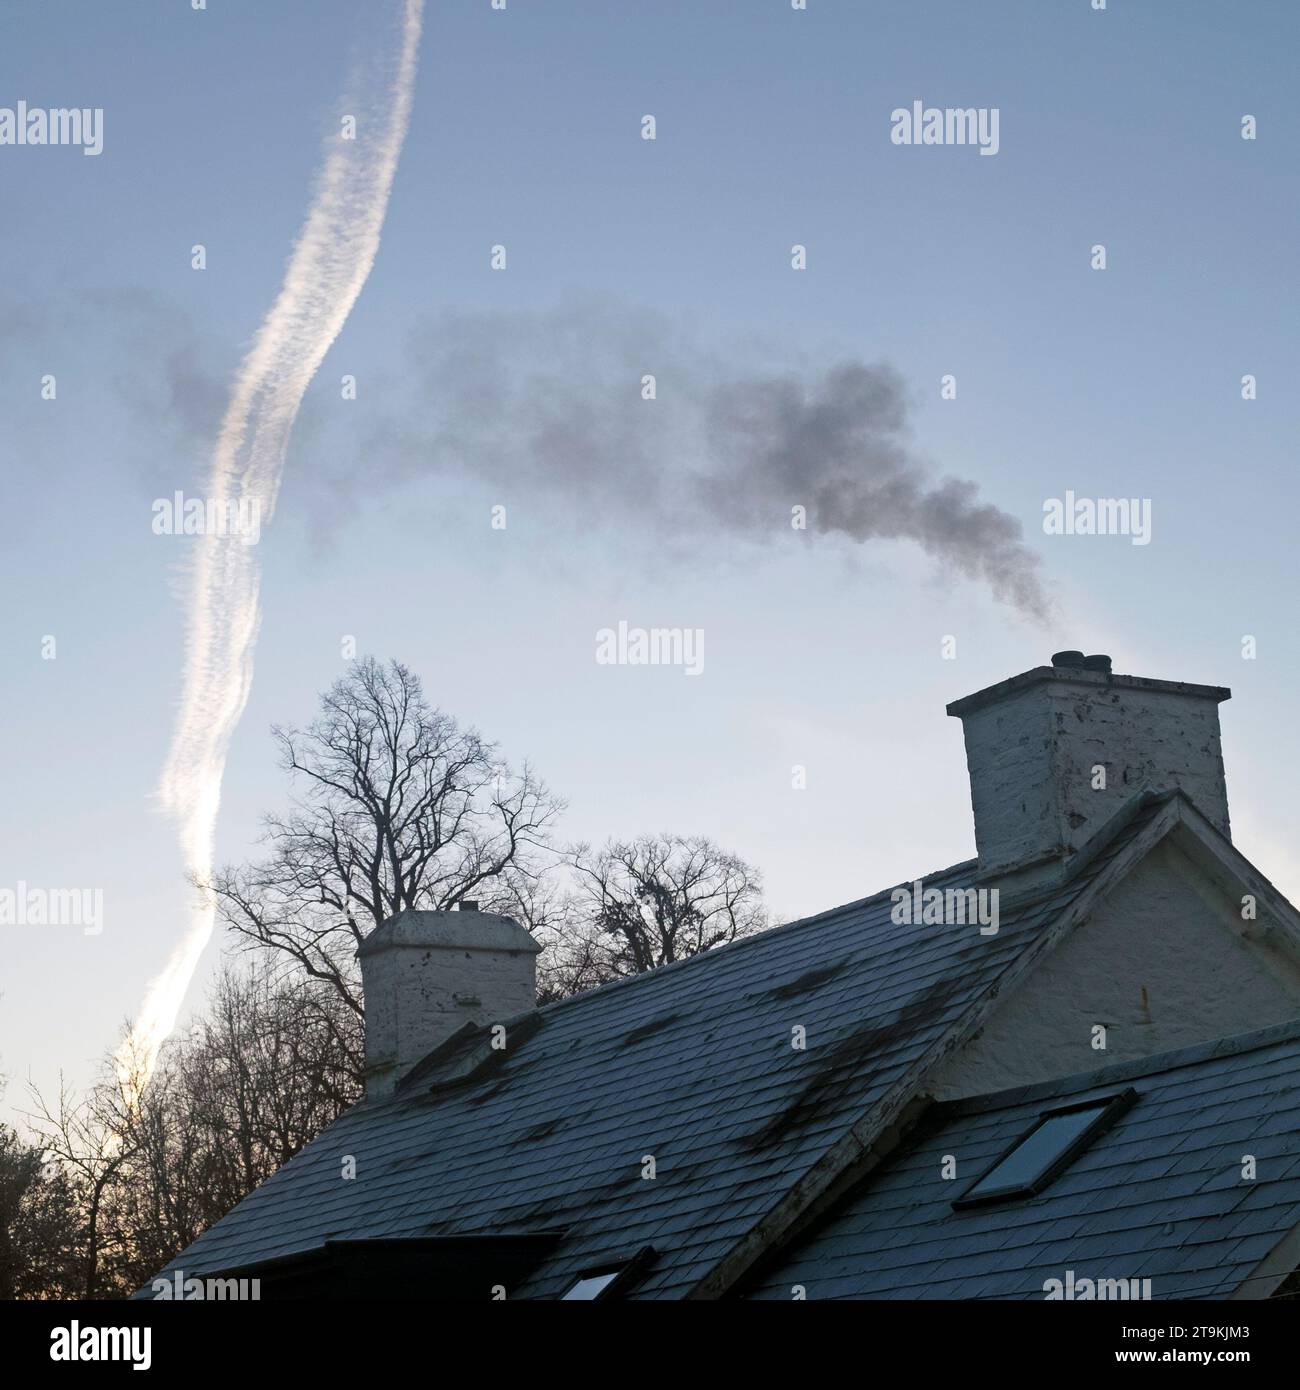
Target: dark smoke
{"x":838,"y":442}
{"x":551,"y":404}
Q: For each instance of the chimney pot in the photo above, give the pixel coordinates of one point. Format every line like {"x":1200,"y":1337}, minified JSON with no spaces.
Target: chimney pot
{"x":1068,"y":658}
{"x":1097,"y":663}
{"x":469,"y":904}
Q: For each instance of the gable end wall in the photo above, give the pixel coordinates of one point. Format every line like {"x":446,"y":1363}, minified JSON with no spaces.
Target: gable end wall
{"x":1164,"y":962}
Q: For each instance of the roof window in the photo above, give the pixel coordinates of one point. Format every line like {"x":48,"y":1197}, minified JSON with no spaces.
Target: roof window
{"x":604,"y":1281}
{"x":1046,"y":1150}
{"x":593,"y":1285}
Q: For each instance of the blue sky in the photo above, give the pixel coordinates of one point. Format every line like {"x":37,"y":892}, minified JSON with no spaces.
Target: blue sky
{"x":1119,"y":127}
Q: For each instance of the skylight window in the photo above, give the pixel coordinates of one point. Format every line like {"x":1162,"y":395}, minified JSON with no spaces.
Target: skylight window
{"x":592,"y":1285}
{"x":1055,"y":1140}
{"x":604,"y":1283}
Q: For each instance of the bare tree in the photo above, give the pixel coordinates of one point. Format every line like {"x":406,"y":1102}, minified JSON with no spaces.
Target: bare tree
{"x":398,"y":807}
{"x":643,"y":903}
{"x":149,"y":1163}
{"x":271,"y":1061}
{"x":80,"y":1136}
{"x":39,"y":1224}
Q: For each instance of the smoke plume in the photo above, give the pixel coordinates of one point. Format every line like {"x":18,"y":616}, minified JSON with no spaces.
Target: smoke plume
{"x":554,"y":405}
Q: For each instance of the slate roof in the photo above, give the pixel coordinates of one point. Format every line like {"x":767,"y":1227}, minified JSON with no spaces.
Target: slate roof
{"x":691,"y":1063}
{"x":1159,"y":1196}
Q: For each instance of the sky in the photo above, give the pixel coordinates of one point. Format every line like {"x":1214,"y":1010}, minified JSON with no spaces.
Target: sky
{"x":626,"y":256}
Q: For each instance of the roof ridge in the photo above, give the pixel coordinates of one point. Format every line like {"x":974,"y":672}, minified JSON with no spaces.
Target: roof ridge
{"x":542,"y":1012}
{"x":765,"y":935}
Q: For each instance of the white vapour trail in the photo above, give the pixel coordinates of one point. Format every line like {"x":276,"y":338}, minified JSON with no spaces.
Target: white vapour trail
{"x":328,"y":267}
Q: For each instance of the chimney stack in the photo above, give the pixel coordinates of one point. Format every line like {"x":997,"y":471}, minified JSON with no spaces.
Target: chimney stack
{"x":426,"y":974}
{"x":1056,"y":752}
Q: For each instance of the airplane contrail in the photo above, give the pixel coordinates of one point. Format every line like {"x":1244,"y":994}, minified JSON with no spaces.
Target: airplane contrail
{"x":328,"y":266}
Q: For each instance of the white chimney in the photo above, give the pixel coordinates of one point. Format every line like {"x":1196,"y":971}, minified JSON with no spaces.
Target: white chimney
{"x":427,"y":974}
{"x":1056,"y":752}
